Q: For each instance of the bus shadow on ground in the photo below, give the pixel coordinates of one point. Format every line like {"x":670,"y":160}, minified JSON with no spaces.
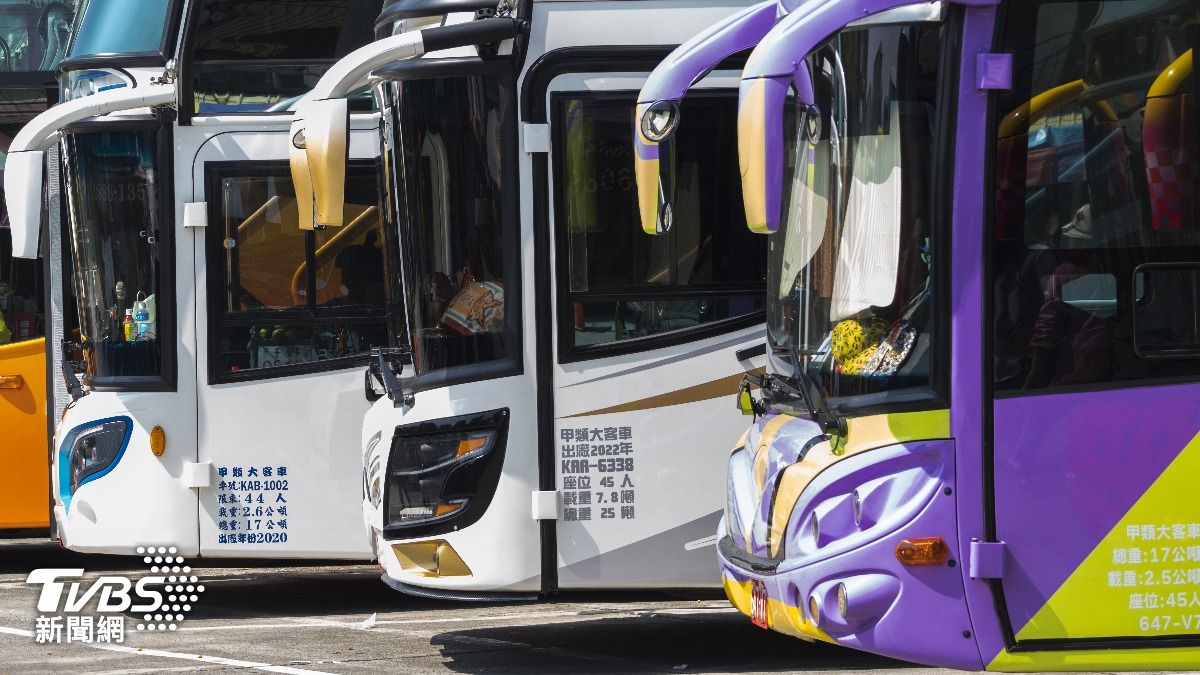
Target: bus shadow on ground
{"x":23,"y":556}
{"x":270,"y":593}
{"x":649,"y":642}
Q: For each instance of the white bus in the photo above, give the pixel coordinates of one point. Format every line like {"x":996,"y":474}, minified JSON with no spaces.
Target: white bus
{"x":210,"y":392}
{"x":557,"y":399}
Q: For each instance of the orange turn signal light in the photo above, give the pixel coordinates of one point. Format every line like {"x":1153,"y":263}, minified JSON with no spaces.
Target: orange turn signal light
{"x":926,"y":551}
{"x":468,"y":445}
{"x":158,"y":441}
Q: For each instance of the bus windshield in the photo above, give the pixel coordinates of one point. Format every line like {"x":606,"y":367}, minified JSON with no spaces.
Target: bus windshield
{"x":447,"y":164}
{"x":109,"y":27}
{"x":112,"y":186}
{"x":849,"y":272}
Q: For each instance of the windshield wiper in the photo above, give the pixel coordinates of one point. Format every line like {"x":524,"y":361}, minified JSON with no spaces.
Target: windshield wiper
{"x":804,"y":386}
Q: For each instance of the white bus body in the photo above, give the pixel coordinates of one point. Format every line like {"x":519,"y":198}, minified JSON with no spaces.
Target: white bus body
{"x":228,"y":425}
{"x":591,"y":453}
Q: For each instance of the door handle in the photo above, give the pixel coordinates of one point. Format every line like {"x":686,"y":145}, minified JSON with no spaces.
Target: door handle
{"x":11,"y":381}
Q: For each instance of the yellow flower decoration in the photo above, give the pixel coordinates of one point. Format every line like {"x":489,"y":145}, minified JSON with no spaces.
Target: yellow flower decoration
{"x":853,"y":343}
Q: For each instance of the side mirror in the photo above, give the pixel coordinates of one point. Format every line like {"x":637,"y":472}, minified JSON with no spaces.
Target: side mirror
{"x":320,"y":145}
{"x":23,"y":181}
{"x":392,"y":367}
{"x":746,"y":401}
{"x":373,"y":387}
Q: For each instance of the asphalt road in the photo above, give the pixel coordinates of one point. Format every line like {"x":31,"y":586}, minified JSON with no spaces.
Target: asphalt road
{"x":342,"y":619}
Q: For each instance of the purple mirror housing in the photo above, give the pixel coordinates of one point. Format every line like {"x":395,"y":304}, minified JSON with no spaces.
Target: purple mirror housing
{"x":656,"y":115}
{"x":776,"y":66}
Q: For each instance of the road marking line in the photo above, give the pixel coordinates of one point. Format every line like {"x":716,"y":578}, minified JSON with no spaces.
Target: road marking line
{"x":190,"y":668}
{"x":198,"y":658}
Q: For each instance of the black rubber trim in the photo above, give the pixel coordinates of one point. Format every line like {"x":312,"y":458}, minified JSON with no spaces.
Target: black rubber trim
{"x":145,"y":60}
{"x":425,"y":69}
{"x":481,"y":32}
{"x":751,"y":352}
{"x":746,"y":561}
{"x":437,"y":594}
{"x":544,"y":374}
{"x":1130,"y":642}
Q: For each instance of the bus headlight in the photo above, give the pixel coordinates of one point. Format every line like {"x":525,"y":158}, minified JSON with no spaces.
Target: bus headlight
{"x":433,"y":477}
{"x":94,"y":450}
{"x":660,"y":120}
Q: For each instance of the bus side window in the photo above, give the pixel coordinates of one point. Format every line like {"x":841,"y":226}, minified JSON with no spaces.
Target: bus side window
{"x":620,"y":284}
{"x":21,"y":314}
{"x":284,"y":298}
{"x":1096,"y":229}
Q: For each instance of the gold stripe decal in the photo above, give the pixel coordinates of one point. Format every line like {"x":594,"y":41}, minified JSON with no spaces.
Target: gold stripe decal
{"x":726,"y":386}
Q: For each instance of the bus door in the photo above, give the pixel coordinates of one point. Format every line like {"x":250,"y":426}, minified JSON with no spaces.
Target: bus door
{"x":285,"y":321}
{"x":652,"y":336}
{"x":1095,"y":320}
{"x":24,"y":483}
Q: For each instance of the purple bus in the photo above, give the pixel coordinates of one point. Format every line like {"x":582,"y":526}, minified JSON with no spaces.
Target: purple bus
{"x":976,"y":444}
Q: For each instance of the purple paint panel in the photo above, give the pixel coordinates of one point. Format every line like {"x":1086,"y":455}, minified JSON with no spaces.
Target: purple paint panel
{"x":915,"y":613}
{"x":967,"y":402}
{"x":672,"y":77}
{"x":994,"y":71}
{"x":1068,"y":467}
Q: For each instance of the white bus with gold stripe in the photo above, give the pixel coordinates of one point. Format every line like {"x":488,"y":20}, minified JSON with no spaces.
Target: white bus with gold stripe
{"x":556,"y":407}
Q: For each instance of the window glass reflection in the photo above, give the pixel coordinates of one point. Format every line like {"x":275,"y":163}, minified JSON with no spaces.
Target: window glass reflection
{"x":21,"y":314}
{"x":1097,"y":223}
{"x":113,"y":192}
{"x":261,"y":55}
{"x":850,"y":283}
{"x":290,"y":297}
{"x":122,"y":27}
{"x":34,"y":33}
{"x":451,"y":146}
{"x":624,"y":284}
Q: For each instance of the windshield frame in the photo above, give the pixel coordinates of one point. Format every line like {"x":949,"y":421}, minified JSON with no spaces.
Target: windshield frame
{"x":167,"y":380}
{"x":936,"y":393}
{"x":398,"y":213}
